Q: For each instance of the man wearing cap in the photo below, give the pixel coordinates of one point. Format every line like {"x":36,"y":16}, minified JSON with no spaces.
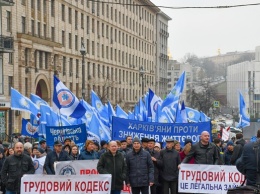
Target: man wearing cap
{"x":39,"y":160}
{"x":169,"y":162}
{"x":56,"y":155}
{"x":144,"y":143}
{"x":228,"y":153}
{"x":67,"y":141}
{"x":44,"y":146}
{"x":140,"y":170}
{"x":155,"y":155}
{"x":15,"y":166}
{"x":204,"y":152}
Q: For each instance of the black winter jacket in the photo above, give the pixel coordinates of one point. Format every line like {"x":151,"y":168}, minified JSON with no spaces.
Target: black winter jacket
{"x":140,"y":170}
{"x":169,"y":161}
{"x":156,"y":155}
{"x":52,"y":157}
{"x":237,"y":152}
{"x":203,"y":154}
{"x":114,"y":165}
{"x":14,"y":168}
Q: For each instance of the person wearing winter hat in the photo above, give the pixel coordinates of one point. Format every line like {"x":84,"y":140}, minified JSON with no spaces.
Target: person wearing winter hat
{"x":145,"y":143}
{"x":140,"y":175}
{"x":228,"y":153}
{"x":238,"y":148}
{"x":39,"y":160}
{"x":187,"y":141}
{"x":103,"y":149}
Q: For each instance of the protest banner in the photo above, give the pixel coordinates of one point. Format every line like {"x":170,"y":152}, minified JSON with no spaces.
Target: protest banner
{"x":80,"y":167}
{"x":76,"y":133}
{"x":158,"y":131}
{"x":60,"y":184}
{"x":196,"y":178}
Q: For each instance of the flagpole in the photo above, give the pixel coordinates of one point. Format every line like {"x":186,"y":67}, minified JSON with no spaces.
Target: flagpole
{"x":59,"y":117}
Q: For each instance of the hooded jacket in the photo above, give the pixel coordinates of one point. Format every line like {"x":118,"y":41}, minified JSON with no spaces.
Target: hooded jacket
{"x":237,"y":152}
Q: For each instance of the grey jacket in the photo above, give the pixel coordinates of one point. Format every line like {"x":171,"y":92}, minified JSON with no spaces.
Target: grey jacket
{"x":203,"y":154}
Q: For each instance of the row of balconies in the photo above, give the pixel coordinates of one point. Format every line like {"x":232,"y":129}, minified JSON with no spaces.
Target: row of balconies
{"x":6,"y":2}
{"x":164,"y":32}
{"x":164,"y":56}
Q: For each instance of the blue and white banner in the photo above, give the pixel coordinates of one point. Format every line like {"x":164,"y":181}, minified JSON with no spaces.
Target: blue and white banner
{"x":28,"y":129}
{"x":158,"y":131}
{"x":76,"y":133}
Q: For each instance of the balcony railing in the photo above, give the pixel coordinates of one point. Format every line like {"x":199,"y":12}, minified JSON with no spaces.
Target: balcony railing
{"x":6,"y":44}
{"x":6,"y":2}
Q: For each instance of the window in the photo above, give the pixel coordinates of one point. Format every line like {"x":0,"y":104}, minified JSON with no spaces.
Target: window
{"x":44,"y":30}
{"x":23,"y":2}
{"x":88,"y":47}
{"x":23,"y":24}
{"x":103,"y":29}
{"x":63,"y":37}
{"x":82,"y":20}
{"x":76,"y":42}
{"x":26,"y":87}
{"x":46,"y":60}
{"x":10,"y":83}
{"x":93,"y":25}
{"x":70,"y":40}
{"x":70,"y":66}
{"x":8,"y":21}
{"x":93,"y":48}
{"x":52,"y":8}
{"x":77,"y":68}
{"x":76,"y":20}
{"x":53,"y":34}
{"x":64,"y":65}
{"x":87,"y":24}
{"x":32,"y":26}
{"x":32,"y":4}
{"x":11,"y":57}
{"x":39,"y":29}
{"x":63,"y":12}
{"x":69,"y":15}
{"x":102,"y":51}
{"x":106,"y":52}
{"x":40,"y":59}
{"x":98,"y":28}
{"x":39,"y":5}
{"x":44,"y":6}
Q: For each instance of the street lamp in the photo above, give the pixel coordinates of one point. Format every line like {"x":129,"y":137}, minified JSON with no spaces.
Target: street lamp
{"x":141,"y":72}
{"x":83,"y":53}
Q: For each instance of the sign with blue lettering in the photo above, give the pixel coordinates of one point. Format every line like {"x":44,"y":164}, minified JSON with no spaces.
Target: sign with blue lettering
{"x":76,"y":133}
{"x":158,"y":131}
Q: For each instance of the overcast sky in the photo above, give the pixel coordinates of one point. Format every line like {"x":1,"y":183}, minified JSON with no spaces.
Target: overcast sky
{"x":204,"y":31}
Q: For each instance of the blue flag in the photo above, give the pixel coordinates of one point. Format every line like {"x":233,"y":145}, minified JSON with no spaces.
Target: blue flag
{"x":111,"y":112}
{"x":37,"y":100}
{"x":22,"y":103}
{"x":244,"y":120}
{"x":28,"y":129}
{"x":173,"y":97}
{"x":193,"y":115}
{"x":181,"y":116}
{"x":203,"y":117}
{"x":121,"y":113}
{"x":153,"y":102}
{"x":66,"y":101}
{"x":101,"y":109}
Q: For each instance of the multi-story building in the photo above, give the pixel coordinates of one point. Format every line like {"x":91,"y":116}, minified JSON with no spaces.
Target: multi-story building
{"x":6,"y":57}
{"x":162,"y":54}
{"x":175,"y":69}
{"x":119,"y":37}
{"x":245,"y":77}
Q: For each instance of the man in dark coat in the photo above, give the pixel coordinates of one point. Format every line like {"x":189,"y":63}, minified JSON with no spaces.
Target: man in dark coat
{"x":113,"y":162}
{"x":204,"y":152}
{"x":155,"y":155}
{"x":57,"y":155}
{"x":237,"y":152}
{"x":169,"y":162}
{"x":249,"y":160}
{"x":140,"y":170}
{"x":15,"y":166}
{"x":228,"y":153}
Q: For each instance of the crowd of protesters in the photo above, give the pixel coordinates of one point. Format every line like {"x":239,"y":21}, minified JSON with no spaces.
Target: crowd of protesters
{"x":141,"y":164}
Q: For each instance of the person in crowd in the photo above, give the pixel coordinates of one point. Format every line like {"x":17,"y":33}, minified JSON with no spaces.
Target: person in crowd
{"x":218,"y":145}
{"x":2,"y":160}
{"x":169,"y":162}
{"x":157,"y":147}
{"x":67,"y":141}
{"x":155,"y":156}
{"x":74,"y":152}
{"x":237,"y":152}
{"x":39,"y":160}
{"x":129,"y":142}
{"x":88,"y":153}
{"x":67,"y":148}
{"x":103,"y":149}
{"x":56,"y":155}
{"x":228,"y":153}
{"x":44,"y":146}
{"x":113,"y":162}
{"x":140,"y":170}
{"x":248,"y":160}
{"x":9,"y":151}
{"x":15,"y":166}
{"x":27,"y":148}
{"x":186,"y":150}
{"x":204,"y":152}
{"x":96,"y":146}
{"x":124,"y":146}
{"x":177,"y":146}
{"x":144,"y":143}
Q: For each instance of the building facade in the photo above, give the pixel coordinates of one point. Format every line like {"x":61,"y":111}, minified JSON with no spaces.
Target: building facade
{"x":162,"y":54}
{"x":119,"y":37}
